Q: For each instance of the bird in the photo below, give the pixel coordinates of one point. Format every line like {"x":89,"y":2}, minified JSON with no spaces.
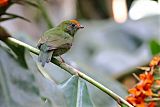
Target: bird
{"x":57,"y":41}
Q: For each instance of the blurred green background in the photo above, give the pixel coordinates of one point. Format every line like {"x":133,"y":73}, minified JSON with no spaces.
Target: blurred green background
{"x":116,"y":39}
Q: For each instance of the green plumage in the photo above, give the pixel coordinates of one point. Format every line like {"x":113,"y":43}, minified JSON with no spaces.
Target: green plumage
{"x":56,"y":41}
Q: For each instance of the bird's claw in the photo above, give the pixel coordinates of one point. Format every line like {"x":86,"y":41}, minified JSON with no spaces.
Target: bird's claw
{"x":62,"y":59}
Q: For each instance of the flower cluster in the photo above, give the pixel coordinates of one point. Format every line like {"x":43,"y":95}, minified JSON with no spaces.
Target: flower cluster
{"x":144,"y":88}
{"x":141,"y":91}
{"x":155,"y":61}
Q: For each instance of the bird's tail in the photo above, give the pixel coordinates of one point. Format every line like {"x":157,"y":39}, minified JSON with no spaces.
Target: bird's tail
{"x":45,"y":57}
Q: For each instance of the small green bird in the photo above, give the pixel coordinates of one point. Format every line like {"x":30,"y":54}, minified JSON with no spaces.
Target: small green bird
{"x":57,"y":41}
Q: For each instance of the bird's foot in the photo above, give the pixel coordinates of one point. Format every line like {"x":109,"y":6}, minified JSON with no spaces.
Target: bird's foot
{"x":62,"y":59}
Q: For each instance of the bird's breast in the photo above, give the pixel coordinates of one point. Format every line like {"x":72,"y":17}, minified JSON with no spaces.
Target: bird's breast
{"x":62,"y":49}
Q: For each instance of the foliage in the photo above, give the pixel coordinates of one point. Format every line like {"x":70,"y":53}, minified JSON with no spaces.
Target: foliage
{"x":154,"y":47}
{"x":21,"y":82}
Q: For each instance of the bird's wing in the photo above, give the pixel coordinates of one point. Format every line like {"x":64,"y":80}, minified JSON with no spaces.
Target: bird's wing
{"x":55,"y":40}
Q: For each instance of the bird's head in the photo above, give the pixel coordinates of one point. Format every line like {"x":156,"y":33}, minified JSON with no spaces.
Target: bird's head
{"x":71,"y":26}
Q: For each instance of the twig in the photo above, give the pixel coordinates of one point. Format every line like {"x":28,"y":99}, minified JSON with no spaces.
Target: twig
{"x":135,"y":76}
{"x":152,"y":99}
{"x":73,"y":71}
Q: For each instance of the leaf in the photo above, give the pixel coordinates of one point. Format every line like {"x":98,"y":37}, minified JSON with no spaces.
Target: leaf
{"x":44,"y":72}
{"x":20,"y":53}
{"x":123,"y":105}
{"x":23,"y":2}
{"x":4,"y":34}
{"x":156,"y":77}
{"x":16,"y":16}
{"x":76,"y":93}
{"x":13,"y":17}
{"x":15,"y":82}
{"x":83,"y":95}
{"x":25,"y":87}
{"x":32,"y":4}
{"x":44,"y":13}
{"x":5,"y":19}
{"x":154,"y":47}
{"x":50,"y":94}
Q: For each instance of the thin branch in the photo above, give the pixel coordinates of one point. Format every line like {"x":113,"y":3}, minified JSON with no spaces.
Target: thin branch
{"x":152,"y":99}
{"x":74,"y":71}
{"x":136,"y":76}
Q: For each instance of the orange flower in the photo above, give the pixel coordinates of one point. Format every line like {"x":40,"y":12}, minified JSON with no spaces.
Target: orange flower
{"x":134,"y":91}
{"x":146,"y":81}
{"x":141,"y":91}
{"x":158,"y":82}
{"x":155,"y":61}
{"x":132,"y":100}
{"x":136,"y":101}
{"x":141,"y":105}
{"x":3,"y":3}
{"x":152,"y":104}
{"x":147,"y":77}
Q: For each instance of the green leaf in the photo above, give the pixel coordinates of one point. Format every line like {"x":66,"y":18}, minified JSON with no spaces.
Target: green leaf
{"x":25,"y":87}
{"x":83,"y":95}
{"x":76,"y":93}
{"x":123,"y":105}
{"x":154,"y":47}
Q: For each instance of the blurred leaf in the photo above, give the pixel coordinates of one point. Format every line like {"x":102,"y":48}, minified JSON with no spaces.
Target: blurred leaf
{"x":154,"y":47}
{"x":32,"y":4}
{"x":157,"y":77}
{"x":5,"y":19}
{"x":123,"y":105}
{"x":76,"y":93}
{"x":25,"y":87}
{"x":29,"y":2}
{"x":44,"y":72}
{"x":19,"y":52}
{"x":10,"y":15}
{"x":13,"y":16}
{"x":4,"y":34}
{"x":18,"y":86}
{"x":45,"y":14}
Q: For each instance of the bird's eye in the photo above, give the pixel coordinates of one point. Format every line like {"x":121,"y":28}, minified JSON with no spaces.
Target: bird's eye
{"x":73,"y":25}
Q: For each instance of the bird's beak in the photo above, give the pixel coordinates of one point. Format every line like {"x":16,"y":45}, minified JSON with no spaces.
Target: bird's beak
{"x":80,"y":27}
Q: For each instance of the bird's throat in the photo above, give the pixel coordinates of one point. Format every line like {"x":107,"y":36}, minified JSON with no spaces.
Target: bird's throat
{"x":71,"y":32}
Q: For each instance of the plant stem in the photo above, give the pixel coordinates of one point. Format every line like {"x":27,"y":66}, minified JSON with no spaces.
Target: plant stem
{"x":74,"y":71}
{"x":152,"y":99}
{"x":44,"y":14}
